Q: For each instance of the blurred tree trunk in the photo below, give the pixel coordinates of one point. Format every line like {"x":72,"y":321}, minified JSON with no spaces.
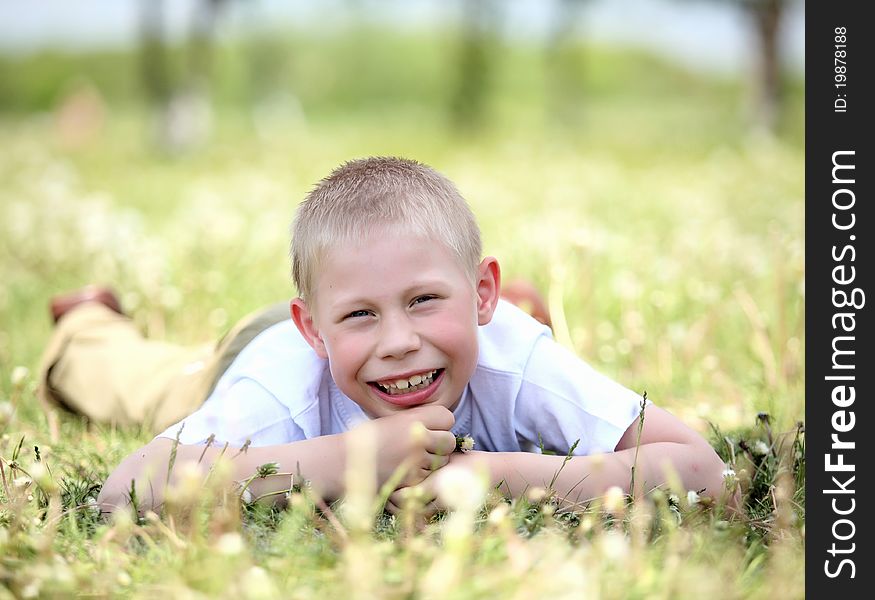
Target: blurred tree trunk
{"x":766,"y":15}
{"x":479,"y":23}
{"x":153,"y":54}
{"x":183,"y":107}
{"x":565,"y":68}
{"x":203,"y":32}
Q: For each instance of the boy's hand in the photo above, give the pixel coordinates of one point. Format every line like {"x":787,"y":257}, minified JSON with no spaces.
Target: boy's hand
{"x":424,"y":495}
{"x":418,"y":438}
{"x":426,"y":492}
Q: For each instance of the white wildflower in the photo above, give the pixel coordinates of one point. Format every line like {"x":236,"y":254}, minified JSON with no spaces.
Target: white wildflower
{"x":230,"y":544}
{"x":6,"y":411}
{"x":536,"y":494}
{"x":614,"y":545}
{"x":461,"y":489}
{"x":729,"y":474}
{"x":586,"y":523}
{"x":499,"y":514}
{"x":256,"y":583}
{"x":692,"y":498}
{"x":614,"y":500}
{"x":464,"y":443}
{"x":760,"y":448}
{"x":92,"y":506}
{"x":43,"y":478}
{"x":31,"y":589}
{"x":19,"y":375}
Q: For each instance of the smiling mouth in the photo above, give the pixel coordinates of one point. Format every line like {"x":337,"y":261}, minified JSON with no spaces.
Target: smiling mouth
{"x":409,"y":385}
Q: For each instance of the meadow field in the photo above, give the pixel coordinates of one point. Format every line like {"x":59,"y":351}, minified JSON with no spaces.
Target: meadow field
{"x":667,"y":236}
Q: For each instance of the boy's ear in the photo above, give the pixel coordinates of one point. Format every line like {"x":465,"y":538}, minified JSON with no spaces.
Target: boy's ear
{"x":304,"y":322}
{"x":488,"y":289}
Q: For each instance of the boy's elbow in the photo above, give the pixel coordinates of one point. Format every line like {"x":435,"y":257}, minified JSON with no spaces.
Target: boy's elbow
{"x":126,"y":483}
{"x":711,"y":470}
{"x":112,"y":496}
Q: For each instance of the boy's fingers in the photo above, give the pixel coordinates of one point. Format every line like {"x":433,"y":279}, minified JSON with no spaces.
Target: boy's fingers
{"x":436,"y":417}
{"x":431,"y":509}
{"x":427,"y":503}
{"x":441,"y":442}
{"x":433,"y":462}
{"x":415,"y":476}
{"x":398,"y":499}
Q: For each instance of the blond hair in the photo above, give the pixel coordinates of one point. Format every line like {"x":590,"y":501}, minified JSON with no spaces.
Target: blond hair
{"x":363,"y":195}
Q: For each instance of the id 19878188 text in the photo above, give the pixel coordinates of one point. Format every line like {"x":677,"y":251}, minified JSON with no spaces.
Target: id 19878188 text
{"x":841,"y":69}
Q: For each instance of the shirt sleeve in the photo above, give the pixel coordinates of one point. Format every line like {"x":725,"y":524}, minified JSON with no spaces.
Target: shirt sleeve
{"x":563,"y":401}
{"x":244,"y":411}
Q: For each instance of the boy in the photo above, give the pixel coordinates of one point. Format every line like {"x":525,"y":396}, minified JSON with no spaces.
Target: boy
{"x":399,"y":322}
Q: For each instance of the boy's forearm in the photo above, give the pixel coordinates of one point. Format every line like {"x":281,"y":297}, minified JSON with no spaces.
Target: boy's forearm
{"x":320,"y":460}
{"x":583,"y":478}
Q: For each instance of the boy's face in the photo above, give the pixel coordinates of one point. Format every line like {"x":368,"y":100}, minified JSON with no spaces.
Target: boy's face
{"x":396,"y":316}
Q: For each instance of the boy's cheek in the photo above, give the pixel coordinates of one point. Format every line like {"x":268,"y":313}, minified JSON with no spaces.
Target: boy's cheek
{"x":341,"y":356}
{"x":460,"y":338}
{"x":451,"y":327}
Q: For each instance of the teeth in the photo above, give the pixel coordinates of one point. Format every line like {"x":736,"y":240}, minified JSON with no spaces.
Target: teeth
{"x":404,"y":386}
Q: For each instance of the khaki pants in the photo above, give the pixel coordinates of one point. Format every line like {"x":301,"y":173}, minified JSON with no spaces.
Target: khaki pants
{"x":98,"y":364}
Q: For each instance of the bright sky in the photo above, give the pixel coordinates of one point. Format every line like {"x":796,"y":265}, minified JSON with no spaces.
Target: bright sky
{"x":699,"y":33}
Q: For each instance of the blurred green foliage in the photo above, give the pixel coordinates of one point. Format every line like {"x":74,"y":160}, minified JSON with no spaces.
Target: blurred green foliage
{"x":380,"y":72}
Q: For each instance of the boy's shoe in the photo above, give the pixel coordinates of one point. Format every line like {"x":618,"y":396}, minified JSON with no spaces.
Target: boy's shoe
{"x":527,"y":297}
{"x":64,"y":303}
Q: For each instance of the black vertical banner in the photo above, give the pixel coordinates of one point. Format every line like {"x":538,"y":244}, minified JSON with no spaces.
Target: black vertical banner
{"x":840,"y":461}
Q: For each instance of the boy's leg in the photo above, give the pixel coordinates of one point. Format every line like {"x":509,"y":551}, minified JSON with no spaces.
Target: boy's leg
{"x":98,"y":364}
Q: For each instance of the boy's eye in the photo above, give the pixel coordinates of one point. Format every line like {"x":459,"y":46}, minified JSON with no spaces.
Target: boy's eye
{"x":421,"y":299}
{"x":357,"y":313}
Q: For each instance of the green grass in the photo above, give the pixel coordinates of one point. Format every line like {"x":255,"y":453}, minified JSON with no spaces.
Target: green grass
{"x":670,"y":243}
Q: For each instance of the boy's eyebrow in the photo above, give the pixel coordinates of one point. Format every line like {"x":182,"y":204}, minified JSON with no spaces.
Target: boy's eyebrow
{"x":416,"y":286}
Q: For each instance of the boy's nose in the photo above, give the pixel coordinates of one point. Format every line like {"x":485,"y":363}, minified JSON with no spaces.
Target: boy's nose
{"x":397,"y":337}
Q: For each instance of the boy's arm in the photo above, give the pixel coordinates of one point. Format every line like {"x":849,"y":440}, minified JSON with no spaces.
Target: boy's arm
{"x":418,"y":438}
{"x":321,"y":458}
{"x":668,"y":449}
